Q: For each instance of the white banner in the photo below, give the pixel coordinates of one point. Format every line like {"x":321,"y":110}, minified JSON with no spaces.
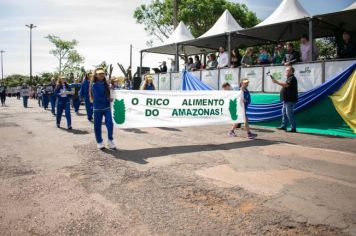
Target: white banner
{"x":278,"y":72}
{"x":229,"y":75}
{"x":176,"y":80}
{"x":155,"y":80}
{"x":309,"y":76}
{"x":333,"y":68}
{"x":255,"y":76}
{"x":140,"y":109}
{"x":164,"y":82}
{"x":211,"y":78}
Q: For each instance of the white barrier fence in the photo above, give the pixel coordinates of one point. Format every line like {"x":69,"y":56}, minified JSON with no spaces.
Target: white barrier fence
{"x":309,"y":76}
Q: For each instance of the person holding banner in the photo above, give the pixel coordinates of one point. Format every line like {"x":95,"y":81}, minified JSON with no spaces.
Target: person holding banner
{"x":289,"y":97}
{"x":25,"y":93}
{"x":100,"y":96}
{"x":148,"y":83}
{"x":63,"y":91}
{"x":247,"y":100}
{"x":84,"y":93}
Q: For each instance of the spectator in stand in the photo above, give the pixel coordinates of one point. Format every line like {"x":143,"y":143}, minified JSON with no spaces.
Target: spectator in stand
{"x":291,"y":55}
{"x":235,"y":58}
{"x":347,"y":48}
{"x":223,"y":60}
{"x":173,"y":66}
{"x":163,"y":67}
{"x":189,"y":65}
{"x":197,"y":63}
{"x":264,"y":57}
{"x":278,"y":54}
{"x":305,"y":48}
{"x":213,"y":63}
{"x":246,"y":60}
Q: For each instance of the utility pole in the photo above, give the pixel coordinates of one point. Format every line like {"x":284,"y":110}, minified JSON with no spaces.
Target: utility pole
{"x":31,"y":26}
{"x":175,"y":13}
{"x":2,"y":66}
{"x":131,"y":56}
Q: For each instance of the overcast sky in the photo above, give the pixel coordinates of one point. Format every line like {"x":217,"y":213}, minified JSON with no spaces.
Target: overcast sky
{"x":104,"y":29}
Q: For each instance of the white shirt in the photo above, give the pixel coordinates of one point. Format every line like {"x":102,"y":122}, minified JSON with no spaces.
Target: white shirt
{"x":223,"y":60}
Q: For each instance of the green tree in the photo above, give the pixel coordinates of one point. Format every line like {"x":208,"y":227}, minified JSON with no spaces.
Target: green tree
{"x":327,"y":47}
{"x":69,"y":59}
{"x":198,"y":15}
{"x":16,"y":80}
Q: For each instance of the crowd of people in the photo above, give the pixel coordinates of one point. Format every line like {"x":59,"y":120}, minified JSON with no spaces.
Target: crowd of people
{"x":59,"y":96}
{"x":282,"y":54}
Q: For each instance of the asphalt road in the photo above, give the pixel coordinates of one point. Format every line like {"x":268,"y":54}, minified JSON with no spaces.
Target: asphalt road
{"x":186,"y":181}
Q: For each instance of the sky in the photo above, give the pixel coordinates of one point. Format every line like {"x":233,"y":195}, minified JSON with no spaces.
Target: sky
{"x":105,"y":29}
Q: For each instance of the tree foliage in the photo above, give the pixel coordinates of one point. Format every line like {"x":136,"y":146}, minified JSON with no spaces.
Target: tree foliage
{"x":69,"y":59}
{"x":198,"y":15}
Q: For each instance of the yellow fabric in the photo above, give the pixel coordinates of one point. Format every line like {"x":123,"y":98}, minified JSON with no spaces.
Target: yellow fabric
{"x":345,"y":101}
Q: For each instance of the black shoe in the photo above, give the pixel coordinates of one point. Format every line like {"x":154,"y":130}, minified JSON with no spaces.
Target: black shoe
{"x":58,"y":126}
{"x":292,"y":131}
{"x":281,"y":128}
{"x":70,"y":128}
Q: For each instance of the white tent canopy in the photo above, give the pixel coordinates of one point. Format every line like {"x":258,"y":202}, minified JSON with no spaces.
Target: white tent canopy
{"x":288,"y":10}
{"x":351,"y":7}
{"x":180,"y":34}
{"x":225,"y":24}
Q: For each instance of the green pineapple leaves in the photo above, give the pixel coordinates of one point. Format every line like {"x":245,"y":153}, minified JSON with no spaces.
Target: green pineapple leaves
{"x":119,"y":111}
{"x":233,"y":109}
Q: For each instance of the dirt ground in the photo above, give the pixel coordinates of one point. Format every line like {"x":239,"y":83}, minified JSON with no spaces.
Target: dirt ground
{"x":164,"y":181}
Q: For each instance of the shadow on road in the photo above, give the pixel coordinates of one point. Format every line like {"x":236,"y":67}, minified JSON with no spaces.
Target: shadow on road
{"x":170,"y":129}
{"x":140,"y":155}
{"x":75,"y":131}
{"x":136,"y":131}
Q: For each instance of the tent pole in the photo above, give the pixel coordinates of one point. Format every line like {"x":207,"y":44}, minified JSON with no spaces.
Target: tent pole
{"x":177,"y":57}
{"x":229,"y":48}
{"x":311,"y":40}
{"x":140,"y":70}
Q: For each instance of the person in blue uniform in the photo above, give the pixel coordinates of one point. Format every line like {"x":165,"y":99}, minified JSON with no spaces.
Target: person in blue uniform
{"x":84,"y":93}
{"x":47,"y":90}
{"x":25,"y":94}
{"x":3,"y":94}
{"x":39,"y":95}
{"x":100,"y":95}
{"x":53,"y":97}
{"x":75,"y":98}
{"x":148,"y":83}
{"x":63,"y":93}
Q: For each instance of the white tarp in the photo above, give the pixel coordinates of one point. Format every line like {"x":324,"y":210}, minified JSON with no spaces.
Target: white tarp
{"x":139,"y":109}
{"x":164,"y":81}
{"x":229,"y":75}
{"x":180,"y":34}
{"x":226,"y":23}
{"x":309,"y":76}
{"x":334,"y":68}
{"x":351,"y":7}
{"x":288,"y":10}
{"x":255,"y":76}
{"x":211,"y":78}
{"x":176,"y":80}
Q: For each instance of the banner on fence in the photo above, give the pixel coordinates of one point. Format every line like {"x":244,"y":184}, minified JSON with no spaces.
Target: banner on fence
{"x":176,"y":80}
{"x":229,"y":75}
{"x":140,"y":109}
{"x":255,"y":76}
{"x":211,"y":78}
{"x":309,"y":76}
{"x":164,"y":82}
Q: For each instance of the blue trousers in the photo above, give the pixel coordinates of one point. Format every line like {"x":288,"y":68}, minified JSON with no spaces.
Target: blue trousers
{"x":76,"y":104}
{"x":53,"y":103}
{"x":66,"y":107}
{"x":39,"y":99}
{"x":45,"y":101}
{"x":98,"y":118}
{"x":89,"y":108}
{"x":288,"y":115}
{"x":25,"y":100}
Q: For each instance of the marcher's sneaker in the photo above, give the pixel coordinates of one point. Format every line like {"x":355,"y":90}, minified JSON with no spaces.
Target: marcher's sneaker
{"x":111,"y":144}
{"x":58,"y":126}
{"x":100,"y":146}
{"x":70,"y":128}
{"x":232,"y":133}
{"x":281,"y":128}
{"x":293,"y":131}
{"x":251,"y":135}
